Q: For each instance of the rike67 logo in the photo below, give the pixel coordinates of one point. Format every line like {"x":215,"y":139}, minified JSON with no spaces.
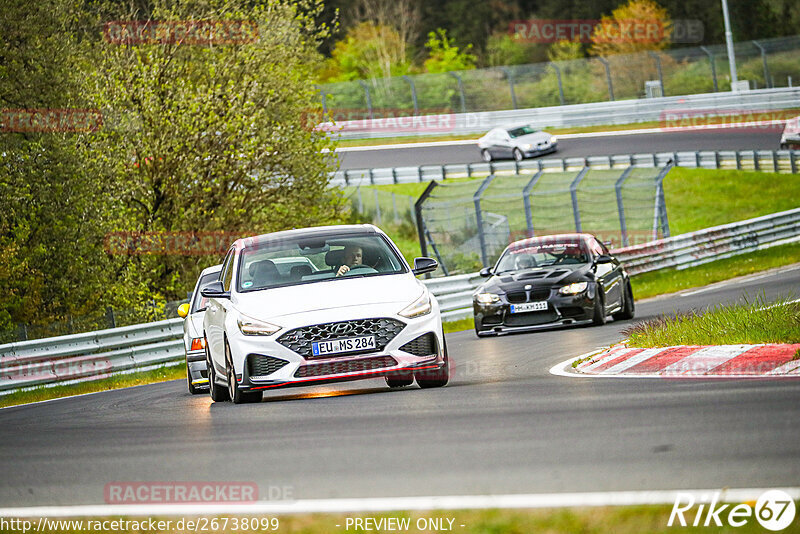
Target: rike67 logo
{"x":774,"y":510}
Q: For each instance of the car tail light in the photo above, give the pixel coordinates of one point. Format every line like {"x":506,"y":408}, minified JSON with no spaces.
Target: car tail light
{"x":198,"y":343}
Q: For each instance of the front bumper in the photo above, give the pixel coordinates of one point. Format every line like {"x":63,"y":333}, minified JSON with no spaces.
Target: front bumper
{"x":540,"y":151}
{"x":562,"y":310}
{"x":299,"y":370}
{"x":790,"y":139}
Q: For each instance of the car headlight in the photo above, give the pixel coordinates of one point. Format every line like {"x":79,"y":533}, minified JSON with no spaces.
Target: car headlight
{"x":574,"y":288}
{"x":254,"y":327}
{"x":527,"y":147}
{"x":553,"y":140}
{"x":486,"y":298}
{"x":419,"y":307}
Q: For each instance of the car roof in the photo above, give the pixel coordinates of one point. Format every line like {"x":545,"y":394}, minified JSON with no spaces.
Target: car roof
{"x":342,"y":230}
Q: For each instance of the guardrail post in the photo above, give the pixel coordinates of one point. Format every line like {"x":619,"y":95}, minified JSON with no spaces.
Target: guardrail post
{"x":716,"y":158}
{"x":413,"y":93}
{"x":755,"y":161}
{"x":604,"y":61}
{"x":738,"y":161}
{"x":444,"y":172}
{"x":560,"y":85}
{"x":510,"y":79}
{"x":526,"y":199}
{"x":394,"y":174}
{"x":371,"y":177}
{"x":346,"y":177}
{"x":623,"y":226}
{"x":697,"y":162}
{"x":573,"y":190}
{"x":767,"y":80}
{"x":418,"y":216}
{"x":476,"y":198}
{"x":460,"y":90}
{"x":775,"y":167}
{"x":22,"y":332}
{"x":660,"y":75}
{"x":368,"y":98}
{"x":792,"y":162}
{"x":661,"y":206}
{"x":713,"y":66}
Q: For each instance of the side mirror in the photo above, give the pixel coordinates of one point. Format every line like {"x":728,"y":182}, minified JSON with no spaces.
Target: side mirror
{"x":603,"y":258}
{"x":424,"y":265}
{"x":183,"y":310}
{"x":486,"y":272}
{"x":215,"y":290}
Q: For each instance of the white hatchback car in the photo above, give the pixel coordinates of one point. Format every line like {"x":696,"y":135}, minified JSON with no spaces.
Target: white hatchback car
{"x":347,"y":308}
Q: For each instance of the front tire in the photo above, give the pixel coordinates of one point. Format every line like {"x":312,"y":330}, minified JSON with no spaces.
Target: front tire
{"x":218,"y":393}
{"x":193,"y":390}
{"x":628,"y":306}
{"x":435,"y":378}
{"x":486,"y":155}
{"x":518,"y":155}
{"x":599,"y":316}
{"x":399,"y":380}
{"x":237,"y":395}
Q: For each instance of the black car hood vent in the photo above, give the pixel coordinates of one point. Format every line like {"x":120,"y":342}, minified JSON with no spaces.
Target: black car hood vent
{"x":557,"y":274}
{"x":531,"y":275}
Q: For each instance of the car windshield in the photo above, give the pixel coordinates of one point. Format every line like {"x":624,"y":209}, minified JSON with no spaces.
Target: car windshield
{"x":199,"y":301}
{"x":532,"y":254}
{"x":306,"y":259}
{"x":522,"y":130}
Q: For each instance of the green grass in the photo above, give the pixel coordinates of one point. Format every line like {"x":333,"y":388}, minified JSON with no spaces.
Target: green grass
{"x":701,"y":198}
{"x":459,"y":325}
{"x":587,"y":520}
{"x":41,"y":393}
{"x":671,"y":280}
{"x":746,"y":323}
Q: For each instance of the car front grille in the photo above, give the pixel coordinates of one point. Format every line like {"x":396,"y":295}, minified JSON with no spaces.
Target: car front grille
{"x":424,"y":345}
{"x":534,"y":295}
{"x":300,"y":339}
{"x":351,"y":366}
{"x":262,"y":365}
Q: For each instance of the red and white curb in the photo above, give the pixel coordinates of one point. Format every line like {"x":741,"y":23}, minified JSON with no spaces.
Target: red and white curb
{"x":687,"y":361}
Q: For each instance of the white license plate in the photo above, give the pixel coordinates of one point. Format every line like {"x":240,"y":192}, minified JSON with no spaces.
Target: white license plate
{"x":338,"y":346}
{"x":530,"y":306}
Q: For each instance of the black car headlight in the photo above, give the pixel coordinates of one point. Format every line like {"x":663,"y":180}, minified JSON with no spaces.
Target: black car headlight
{"x":574,"y":288}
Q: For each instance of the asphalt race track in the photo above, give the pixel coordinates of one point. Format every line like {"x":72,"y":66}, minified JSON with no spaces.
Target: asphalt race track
{"x":504,"y":425}
{"x":766,"y":138}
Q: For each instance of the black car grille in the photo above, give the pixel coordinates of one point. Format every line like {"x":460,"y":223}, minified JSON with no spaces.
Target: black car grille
{"x":534,"y":295}
{"x":424,"y":345}
{"x":352,"y":366}
{"x":530,"y":319}
{"x":261,"y":365}
{"x":300,"y":339}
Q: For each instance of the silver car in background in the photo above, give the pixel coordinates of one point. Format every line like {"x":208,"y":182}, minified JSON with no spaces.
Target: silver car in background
{"x":518,"y":142}
{"x":193,"y":342}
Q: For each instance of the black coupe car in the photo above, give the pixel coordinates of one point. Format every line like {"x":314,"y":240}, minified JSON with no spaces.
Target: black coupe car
{"x":549,"y":281}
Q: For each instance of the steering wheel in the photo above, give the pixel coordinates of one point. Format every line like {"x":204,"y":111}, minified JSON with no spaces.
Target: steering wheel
{"x":359,"y":267}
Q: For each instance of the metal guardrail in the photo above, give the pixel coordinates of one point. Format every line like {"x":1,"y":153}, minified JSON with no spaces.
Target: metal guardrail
{"x":90,"y":355}
{"x":784,"y":161}
{"x":96,"y":355}
{"x":579,"y":115}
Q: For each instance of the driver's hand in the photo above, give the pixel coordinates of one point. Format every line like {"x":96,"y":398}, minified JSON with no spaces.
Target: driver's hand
{"x":343,"y":269}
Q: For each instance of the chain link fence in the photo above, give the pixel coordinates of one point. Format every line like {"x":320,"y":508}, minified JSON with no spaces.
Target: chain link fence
{"x":465,"y":225}
{"x":684,"y":71}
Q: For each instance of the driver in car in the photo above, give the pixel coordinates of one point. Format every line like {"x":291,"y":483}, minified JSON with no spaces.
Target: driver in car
{"x":353,"y":255}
